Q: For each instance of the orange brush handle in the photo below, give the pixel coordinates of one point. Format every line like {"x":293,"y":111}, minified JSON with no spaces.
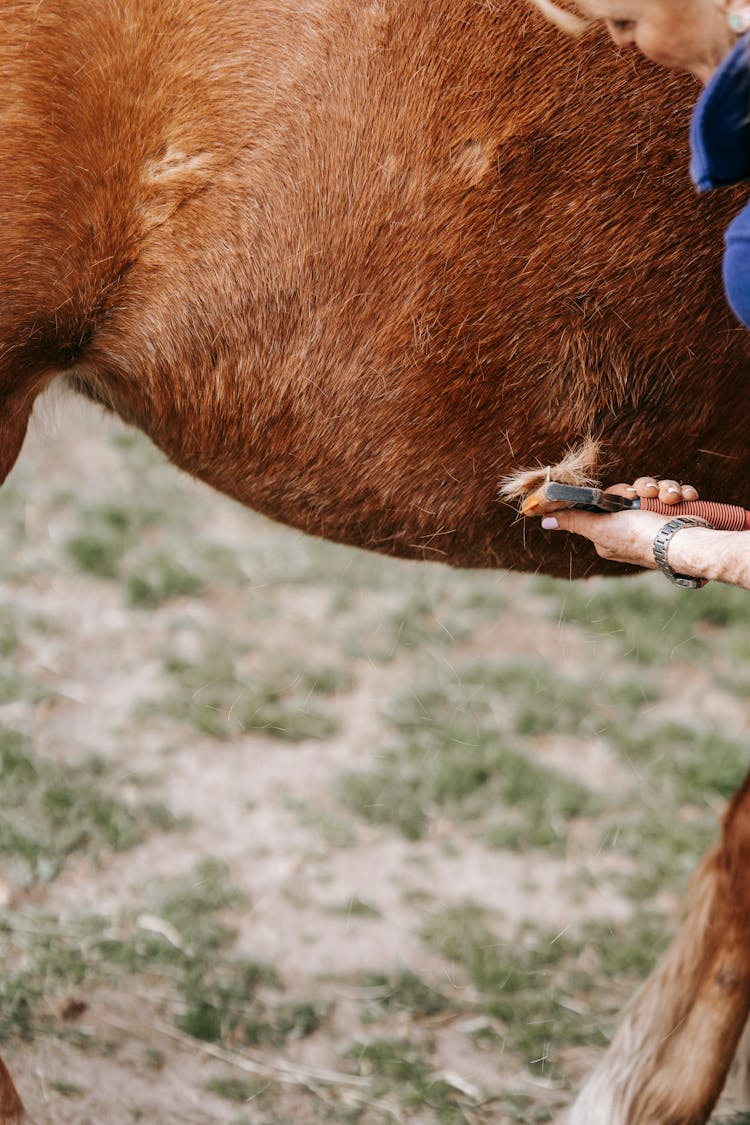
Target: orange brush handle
{"x":724,"y":517}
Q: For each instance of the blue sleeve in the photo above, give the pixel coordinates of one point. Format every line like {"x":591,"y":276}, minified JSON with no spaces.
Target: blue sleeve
{"x":737,"y":265}
{"x":720,"y":125}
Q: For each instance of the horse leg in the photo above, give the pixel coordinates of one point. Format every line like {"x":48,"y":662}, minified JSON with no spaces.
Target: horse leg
{"x":669,"y":1060}
{"x":737,"y":1087}
{"x":11,"y":1106}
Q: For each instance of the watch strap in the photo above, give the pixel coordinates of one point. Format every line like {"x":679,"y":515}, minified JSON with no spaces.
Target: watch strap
{"x":661,"y":550}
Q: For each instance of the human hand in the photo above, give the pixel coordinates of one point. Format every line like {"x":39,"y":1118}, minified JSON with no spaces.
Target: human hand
{"x":628,"y":536}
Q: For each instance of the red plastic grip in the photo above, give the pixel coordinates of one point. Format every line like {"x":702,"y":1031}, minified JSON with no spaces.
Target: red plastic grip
{"x":724,"y":517}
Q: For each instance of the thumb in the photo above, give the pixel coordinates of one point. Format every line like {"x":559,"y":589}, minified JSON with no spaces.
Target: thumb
{"x":581,"y":523}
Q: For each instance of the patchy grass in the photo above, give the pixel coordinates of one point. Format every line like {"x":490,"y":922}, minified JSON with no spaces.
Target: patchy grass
{"x":15,"y":685}
{"x":520,"y":1109}
{"x":432,"y":610}
{"x":355,"y":908}
{"x":453,"y":757}
{"x":236,"y":1089}
{"x":651,"y":624}
{"x":218,"y":699}
{"x":404,"y":992}
{"x":9,"y":631}
{"x":454,"y":742}
{"x":106,"y":533}
{"x":665,"y":848}
{"x":66,"y":1089}
{"x":131,"y":543}
{"x":629,"y":949}
{"x":48,"y":811}
{"x":396,"y":1064}
{"x":160,"y":578}
{"x":182,"y":946}
{"x":543,"y":699}
{"x":331,"y":830}
{"x":548,"y":991}
{"x":692,"y":763}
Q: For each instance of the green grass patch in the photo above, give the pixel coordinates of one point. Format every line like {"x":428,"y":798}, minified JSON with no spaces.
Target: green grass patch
{"x":320,"y":679}
{"x":355,"y":908}
{"x":397,"y":1065}
{"x":14,"y":686}
{"x":8,"y":632}
{"x":20,"y":995}
{"x":65,"y":1089}
{"x":154,"y":1058}
{"x":451,"y":756}
{"x":650,"y":622}
{"x":404,"y":992}
{"x":237,"y":1089}
{"x":107,"y":532}
{"x":160,"y":578}
{"x":519,"y":1108}
{"x":541,"y":699}
{"x":128,"y":542}
{"x":432,"y":609}
{"x":665,"y":843}
{"x":628,"y":949}
{"x":216,"y":699}
{"x":183,"y":948}
{"x":689,"y":762}
{"x":331,"y":830}
{"x":48,"y":811}
{"x":533,"y":985}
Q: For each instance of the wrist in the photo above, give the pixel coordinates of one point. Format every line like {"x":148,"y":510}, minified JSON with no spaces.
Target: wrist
{"x":661,"y":545}
{"x":702,"y":552}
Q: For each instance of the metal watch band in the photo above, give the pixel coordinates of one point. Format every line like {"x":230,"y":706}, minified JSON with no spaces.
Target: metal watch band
{"x":661,"y":547}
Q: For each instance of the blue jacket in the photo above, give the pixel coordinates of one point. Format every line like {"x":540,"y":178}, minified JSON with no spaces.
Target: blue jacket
{"x":720,"y":144}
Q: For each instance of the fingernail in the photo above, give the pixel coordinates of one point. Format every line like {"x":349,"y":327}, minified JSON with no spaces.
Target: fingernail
{"x":673,"y":490}
{"x":630,"y":489}
{"x":549,"y":523}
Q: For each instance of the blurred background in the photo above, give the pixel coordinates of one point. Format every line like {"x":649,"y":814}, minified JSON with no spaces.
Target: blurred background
{"x":290,"y":833}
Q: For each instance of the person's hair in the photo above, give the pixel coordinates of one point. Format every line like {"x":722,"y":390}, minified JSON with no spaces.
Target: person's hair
{"x":566,"y":20}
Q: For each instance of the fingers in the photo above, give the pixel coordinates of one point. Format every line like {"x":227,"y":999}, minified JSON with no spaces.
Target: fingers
{"x":667,"y":491}
{"x":623,"y":490}
{"x":646,"y":487}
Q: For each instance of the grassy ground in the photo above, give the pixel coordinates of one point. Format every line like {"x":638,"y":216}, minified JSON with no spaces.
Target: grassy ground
{"x":292,"y":833}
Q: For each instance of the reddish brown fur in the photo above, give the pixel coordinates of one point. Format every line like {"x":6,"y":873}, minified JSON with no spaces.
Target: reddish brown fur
{"x":11,"y":1107}
{"x":354,"y":261}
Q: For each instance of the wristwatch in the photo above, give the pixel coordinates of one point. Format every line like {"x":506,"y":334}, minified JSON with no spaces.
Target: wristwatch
{"x":661,"y":546}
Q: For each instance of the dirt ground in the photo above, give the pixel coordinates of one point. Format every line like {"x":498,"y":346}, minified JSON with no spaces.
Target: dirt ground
{"x":291,"y":834}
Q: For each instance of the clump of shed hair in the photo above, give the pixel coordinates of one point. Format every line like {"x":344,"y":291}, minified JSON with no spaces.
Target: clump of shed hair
{"x":577,"y":467}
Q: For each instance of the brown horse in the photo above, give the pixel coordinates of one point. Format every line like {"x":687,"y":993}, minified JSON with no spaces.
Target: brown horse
{"x":351,"y":262}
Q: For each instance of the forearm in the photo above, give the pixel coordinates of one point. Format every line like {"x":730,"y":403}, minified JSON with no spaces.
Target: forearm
{"x":722,"y":556}
{"x":702,"y":552}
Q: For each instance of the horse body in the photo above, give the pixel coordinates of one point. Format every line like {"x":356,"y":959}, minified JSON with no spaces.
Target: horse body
{"x":352,"y":261}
